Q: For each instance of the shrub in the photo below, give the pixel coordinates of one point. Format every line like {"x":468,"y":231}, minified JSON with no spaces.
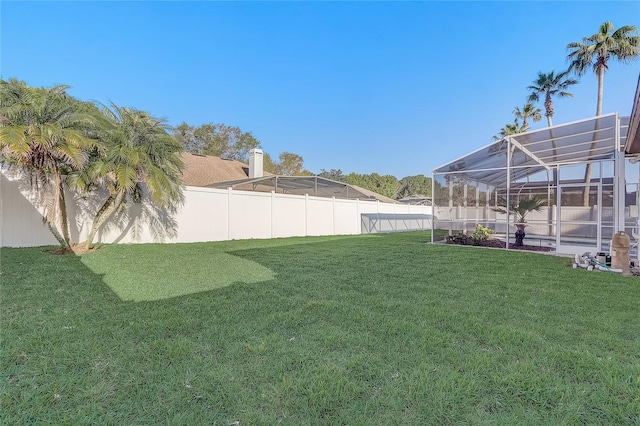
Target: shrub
{"x":480,"y":234}
{"x":478,"y":238}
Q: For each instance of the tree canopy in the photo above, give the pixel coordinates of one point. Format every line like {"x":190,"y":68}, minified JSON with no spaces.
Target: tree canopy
{"x":139,"y":156}
{"x":548,"y":85}
{"x":596,"y":51}
{"x":47,"y":134}
{"x":220,"y":140}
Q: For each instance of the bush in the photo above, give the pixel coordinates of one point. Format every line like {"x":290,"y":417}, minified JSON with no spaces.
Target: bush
{"x":478,"y":238}
{"x":480,"y":234}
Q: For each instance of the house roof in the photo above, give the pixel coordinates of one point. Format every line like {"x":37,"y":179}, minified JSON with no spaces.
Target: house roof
{"x":633,"y":138}
{"x":216,"y":172}
{"x":203,"y":170}
{"x":301,"y":185}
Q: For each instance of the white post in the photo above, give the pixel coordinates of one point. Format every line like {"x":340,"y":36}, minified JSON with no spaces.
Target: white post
{"x":358,"y":219}
{"x":229,"y":194}
{"x":619,"y":186}
{"x":333,"y":206}
{"x":273,"y":198}
{"x":465,"y":205}
{"x":433,"y":206}
{"x":306,"y":214}
{"x":509,"y":153}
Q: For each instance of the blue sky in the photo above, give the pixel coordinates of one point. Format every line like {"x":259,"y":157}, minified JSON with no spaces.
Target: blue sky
{"x":387,"y":87}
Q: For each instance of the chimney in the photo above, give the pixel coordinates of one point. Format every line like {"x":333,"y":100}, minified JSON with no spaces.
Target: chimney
{"x":255,"y":163}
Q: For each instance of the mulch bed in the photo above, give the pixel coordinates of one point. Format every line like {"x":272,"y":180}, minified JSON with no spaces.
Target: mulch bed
{"x":495,"y":243}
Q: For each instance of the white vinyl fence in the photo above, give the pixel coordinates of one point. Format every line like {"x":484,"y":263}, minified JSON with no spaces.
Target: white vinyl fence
{"x":206,"y":215}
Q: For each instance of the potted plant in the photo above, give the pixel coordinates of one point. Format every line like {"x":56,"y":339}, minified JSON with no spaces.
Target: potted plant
{"x":520,"y":212}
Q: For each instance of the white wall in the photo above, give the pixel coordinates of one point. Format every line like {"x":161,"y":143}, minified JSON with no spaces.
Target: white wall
{"x":206,"y":215}
{"x":20,"y":222}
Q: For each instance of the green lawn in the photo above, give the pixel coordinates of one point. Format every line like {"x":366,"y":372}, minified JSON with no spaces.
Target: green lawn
{"x":382,"y":329}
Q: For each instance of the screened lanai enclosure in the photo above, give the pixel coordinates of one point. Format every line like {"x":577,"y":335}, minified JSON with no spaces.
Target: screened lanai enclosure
{"x":579,"y":169}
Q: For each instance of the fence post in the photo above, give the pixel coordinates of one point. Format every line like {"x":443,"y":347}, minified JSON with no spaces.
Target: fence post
{"x":358,"y":219}
{"x":273,"y":197}
{"x":229,"y":194}
{"x":306,"y":214}
{"x":333,"y":215}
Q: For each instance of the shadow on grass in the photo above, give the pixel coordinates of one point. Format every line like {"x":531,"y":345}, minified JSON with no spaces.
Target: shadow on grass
{"x":152,"y":272}
{"x":40,"y":272}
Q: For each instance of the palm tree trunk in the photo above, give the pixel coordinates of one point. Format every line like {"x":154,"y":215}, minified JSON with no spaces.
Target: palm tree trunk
{"x":106,"y":211}
{"x":600,"y":74}
{"x":548,"y":108}
{"x":56,"y":234}
{"x":64,"y":218}
{"x":555,"y":151}
{"x":62,"y":209}
{"x":587,"y":171}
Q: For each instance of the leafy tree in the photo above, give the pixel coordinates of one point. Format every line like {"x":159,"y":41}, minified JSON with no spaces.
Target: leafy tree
{"x":549,"y":85}
{"x":46,"y":133}
{"x":268,"y":165}
{"x":419,"y":185}
{"x":386,"y":185}
{"x":220,"y":140}
{"x":186,"y":136}
{"x":227,"y":141}
{"x":598,"y":49}
{"x":288,"y":164}
{"x":333,"y":174}
{"x":140,"y":156}
{"x":231,"y":142}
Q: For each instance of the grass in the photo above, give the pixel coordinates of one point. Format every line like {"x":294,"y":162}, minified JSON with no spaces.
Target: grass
{"x":380,"y":329}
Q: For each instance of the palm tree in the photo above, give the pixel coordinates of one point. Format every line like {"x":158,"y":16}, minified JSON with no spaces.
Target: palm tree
{"x":597,"y":49}
{"x":529,"y":110}
{"x":520,"y":210}
{"x":550,"y":85}
{"x":44,"y":132}
{"x":140,"y":157}
{"x":510,"y":129}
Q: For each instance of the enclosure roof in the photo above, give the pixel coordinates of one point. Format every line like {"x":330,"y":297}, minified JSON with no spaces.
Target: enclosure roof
{"x":633,"y":141}
{"x":582,"y":141}
{"x":301,"y":185}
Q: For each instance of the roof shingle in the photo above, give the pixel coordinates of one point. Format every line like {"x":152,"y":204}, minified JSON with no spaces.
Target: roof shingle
{"x":203,"y":170}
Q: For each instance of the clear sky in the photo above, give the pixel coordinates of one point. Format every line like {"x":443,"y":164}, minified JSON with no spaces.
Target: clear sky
{"x":388,"y":87}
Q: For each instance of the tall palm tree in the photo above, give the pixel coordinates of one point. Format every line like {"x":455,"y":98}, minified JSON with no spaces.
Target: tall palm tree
{"x":44,"y":132}
{"x":529,"y":110}
{"x":597,"y":49}
{"x":510,"y":129}
{"x":140,"y":157}
{"x":549,"y":85}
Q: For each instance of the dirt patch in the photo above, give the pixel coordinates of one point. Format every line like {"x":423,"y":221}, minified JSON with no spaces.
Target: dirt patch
{"x":59,"y":251}
{"x":74,"y":248}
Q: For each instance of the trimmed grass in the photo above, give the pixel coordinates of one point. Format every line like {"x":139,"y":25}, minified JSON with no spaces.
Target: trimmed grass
{"x":150,"y":275}
{"x":382,"y":329}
